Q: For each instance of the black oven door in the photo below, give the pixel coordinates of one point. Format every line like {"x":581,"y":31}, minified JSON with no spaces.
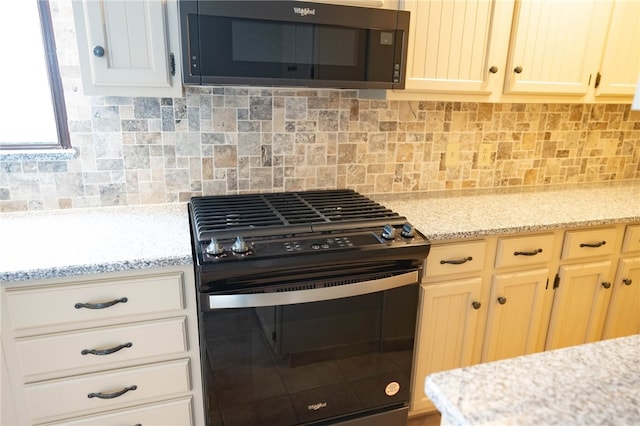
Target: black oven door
{"x":336,"y":354}
{"x":257,"y":43}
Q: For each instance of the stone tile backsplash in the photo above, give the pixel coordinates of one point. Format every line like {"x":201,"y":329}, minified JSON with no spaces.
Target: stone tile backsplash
{"x":227,"y":140}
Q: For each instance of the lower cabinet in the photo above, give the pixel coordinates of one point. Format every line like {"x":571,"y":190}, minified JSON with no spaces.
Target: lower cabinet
{"x":623,"y":317}
{"x":515,"y":314}
{"x":580,"y":304}
{"x":511,"y":295}
{"x":106,"y":349}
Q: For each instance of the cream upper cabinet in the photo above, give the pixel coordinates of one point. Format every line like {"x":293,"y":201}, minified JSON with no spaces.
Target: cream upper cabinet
{"x":621,"y":58}
{"x":457,"y":45}
{"x":128,"y":48}
{"x":556,"y":46}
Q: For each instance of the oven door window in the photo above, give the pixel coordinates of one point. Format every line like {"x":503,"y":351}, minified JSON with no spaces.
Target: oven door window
{"x":238,"y":47}
{"x":294,"y":364}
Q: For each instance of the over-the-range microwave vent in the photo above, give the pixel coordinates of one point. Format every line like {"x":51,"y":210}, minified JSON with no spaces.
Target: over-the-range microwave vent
{"x":292,"y":43}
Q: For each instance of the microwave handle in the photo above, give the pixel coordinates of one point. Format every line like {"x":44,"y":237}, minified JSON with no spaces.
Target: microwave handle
{"x":223,"y":301}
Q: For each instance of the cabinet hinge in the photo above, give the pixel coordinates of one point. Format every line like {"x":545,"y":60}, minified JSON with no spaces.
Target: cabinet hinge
{"x":172,"y":64}
{"x":547,"y":284}
{"x":598,"y":77}
{"x":556,"y":281}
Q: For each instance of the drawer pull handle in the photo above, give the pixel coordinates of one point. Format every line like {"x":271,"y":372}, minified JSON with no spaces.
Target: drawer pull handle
{"x":457,"y":262}
{"x":627,"y":281}
{"x":101,"y":305}
{"x":111,"y":395}
{"x":502,"y":300}
{"x":593,"y":245}
{"x":106,"y":351}
{"x":527,"y":253}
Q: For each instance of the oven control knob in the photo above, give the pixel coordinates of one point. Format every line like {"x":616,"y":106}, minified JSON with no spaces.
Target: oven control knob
{"x":408,"y":231}
{"x":388,"y":232}
{"x":239,"y":246}
{"x":214,"y":248}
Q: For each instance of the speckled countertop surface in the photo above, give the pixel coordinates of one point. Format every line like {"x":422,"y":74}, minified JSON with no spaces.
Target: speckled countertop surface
{"x":58,"y":243}
{"x":592,"y":384}
{"x":452,"y":217}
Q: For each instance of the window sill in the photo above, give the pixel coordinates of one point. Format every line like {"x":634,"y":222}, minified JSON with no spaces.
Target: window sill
{"x":38,"y":154}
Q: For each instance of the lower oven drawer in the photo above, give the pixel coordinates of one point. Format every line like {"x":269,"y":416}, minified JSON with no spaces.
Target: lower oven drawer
{"x":61,"y":354}
{"x":65,"y":398}
{"x":170,"y":413}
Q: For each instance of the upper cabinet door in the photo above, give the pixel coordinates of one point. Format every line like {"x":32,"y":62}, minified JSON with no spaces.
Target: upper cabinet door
{"x":457,"y":45}
{"x":621,"y":59}
{"x":125,"y":47}
{"x":556,"y":46}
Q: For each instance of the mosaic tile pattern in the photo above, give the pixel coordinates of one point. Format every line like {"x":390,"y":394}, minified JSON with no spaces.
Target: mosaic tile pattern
{"x":227,"y":140}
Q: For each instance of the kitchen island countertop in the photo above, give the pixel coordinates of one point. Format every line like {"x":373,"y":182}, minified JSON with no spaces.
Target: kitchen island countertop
{"x":59,"y":243}
{"x":592,"y":384}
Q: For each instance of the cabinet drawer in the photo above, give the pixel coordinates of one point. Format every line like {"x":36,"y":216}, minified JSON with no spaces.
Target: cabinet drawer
{"x":455,"y":258}
{"x":71,"y":397}
{"x":587,"y":243}
{"x":62,"y":352}
{"x":170,"y":413}
{"x":62,"y":304}
{"x":524,"y":251}
{"x":631,"y":240}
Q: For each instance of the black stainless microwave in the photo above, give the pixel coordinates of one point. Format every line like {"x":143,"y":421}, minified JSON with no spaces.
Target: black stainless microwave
{"x":292,"y":43}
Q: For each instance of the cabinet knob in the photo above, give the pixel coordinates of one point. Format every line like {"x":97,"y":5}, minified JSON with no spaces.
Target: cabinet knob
{"x":517,"y":69}
{"x":98,"y":51}
{"x":606,"y":284}
{"x":502,"y":300}
{"x":493,"y":69}
{"x":627,"y":281}
{"x":476,"y":305}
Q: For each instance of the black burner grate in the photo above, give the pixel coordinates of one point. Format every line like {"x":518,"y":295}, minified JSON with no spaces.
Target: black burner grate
{"x":274,"y":214}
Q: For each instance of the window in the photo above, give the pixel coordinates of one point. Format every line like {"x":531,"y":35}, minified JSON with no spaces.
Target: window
{"x":34,"y":115}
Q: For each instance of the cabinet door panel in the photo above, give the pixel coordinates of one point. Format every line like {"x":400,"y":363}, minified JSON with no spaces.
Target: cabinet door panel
{"x":513,"y":326}
{"x":621,"y":58}
{"x":446,"y":331}
{"x":453,"y":43}
{"x":579,"y":305}
{"x":623,"y":317}
{"x":556,"y":46}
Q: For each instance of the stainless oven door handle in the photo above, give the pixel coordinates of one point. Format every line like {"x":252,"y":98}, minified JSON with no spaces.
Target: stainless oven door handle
{"x":222,"y":301}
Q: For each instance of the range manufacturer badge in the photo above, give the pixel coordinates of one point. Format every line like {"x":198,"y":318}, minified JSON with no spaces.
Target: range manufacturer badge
{"x":392,"y":388}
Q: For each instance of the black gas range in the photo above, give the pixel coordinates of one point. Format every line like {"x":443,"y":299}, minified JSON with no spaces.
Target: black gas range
{"x":307,"y":307}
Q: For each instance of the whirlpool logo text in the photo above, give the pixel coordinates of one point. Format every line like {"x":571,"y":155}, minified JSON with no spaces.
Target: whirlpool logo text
{"x":304,"y":11}
{"x":316,"y":407}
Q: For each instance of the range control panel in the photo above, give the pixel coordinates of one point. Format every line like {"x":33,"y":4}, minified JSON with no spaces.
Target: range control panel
{"x":240,"y":248}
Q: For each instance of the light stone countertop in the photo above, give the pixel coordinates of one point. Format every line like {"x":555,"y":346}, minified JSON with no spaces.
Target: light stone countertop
{"x":59,"y":243}
{"x":451,"y":217}
{"x":592,"y":384}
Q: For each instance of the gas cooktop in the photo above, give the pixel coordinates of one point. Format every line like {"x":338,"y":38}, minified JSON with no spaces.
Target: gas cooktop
{"x":236,"y":227}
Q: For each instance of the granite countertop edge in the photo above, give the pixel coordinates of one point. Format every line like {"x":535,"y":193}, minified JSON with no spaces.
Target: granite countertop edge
{"x":95,"y":268}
